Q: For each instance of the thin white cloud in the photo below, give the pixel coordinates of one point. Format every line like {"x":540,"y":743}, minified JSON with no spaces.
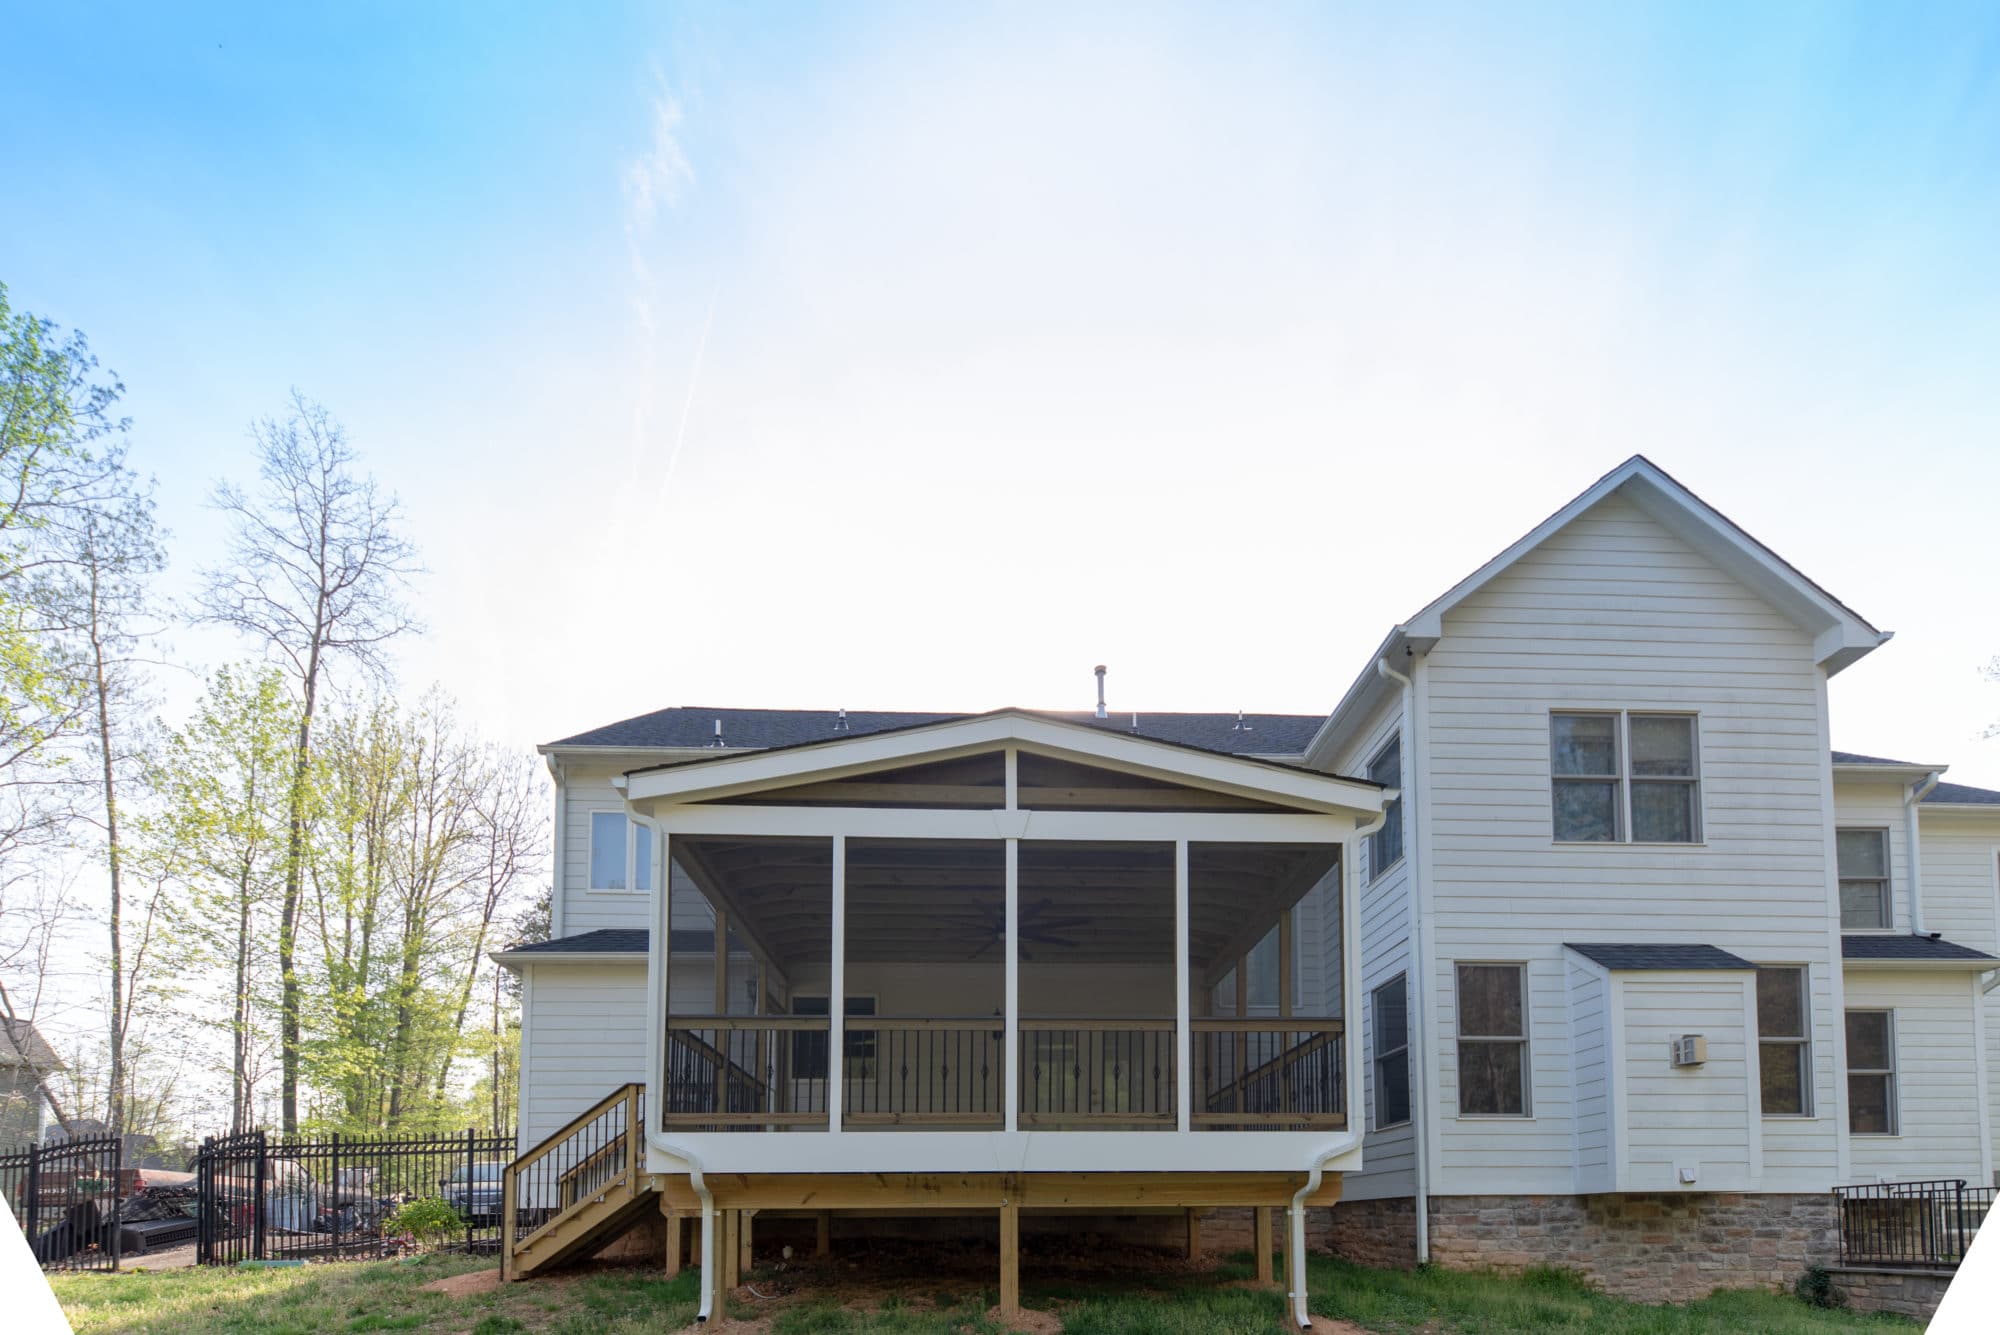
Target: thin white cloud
{"x":661,"y":175}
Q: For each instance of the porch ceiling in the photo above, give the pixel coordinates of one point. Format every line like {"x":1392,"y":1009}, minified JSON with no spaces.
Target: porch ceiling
{"x":942,"y":901}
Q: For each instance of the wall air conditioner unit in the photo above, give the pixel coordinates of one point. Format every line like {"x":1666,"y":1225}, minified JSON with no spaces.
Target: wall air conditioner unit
{"x":1690,"y":1050}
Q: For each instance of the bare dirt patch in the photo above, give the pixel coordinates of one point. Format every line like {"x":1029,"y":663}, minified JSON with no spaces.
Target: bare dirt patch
{"x":1326,"y":1325}
{"x":465,"y":1285}
{"x":1035,"y":1323}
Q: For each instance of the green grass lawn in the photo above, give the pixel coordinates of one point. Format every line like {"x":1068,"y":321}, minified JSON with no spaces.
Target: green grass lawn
{"x":390,"y":1295}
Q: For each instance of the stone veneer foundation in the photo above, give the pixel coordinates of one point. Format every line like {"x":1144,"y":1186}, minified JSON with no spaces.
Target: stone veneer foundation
{"x":1666,"y":1247}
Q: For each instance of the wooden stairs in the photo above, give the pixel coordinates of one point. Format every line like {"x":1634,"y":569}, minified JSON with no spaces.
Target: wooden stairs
{"x":578,"y":1189}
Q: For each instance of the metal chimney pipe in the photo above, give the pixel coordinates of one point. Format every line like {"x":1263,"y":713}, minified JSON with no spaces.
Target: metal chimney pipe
{"x":1100,"y":692}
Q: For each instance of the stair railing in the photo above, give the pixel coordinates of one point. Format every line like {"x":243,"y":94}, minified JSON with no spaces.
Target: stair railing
{"x":597,"y":1155}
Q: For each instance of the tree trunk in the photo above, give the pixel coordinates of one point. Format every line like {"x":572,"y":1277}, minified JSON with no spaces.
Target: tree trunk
{"x":116,"y":1093}
{"x":295,"y":844}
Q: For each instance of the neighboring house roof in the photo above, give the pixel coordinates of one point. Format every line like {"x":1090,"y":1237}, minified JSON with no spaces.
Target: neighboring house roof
{"x":1647,"y":955}
{"x":1940,"y":795}
{"x":21,"y":1044}
{"x":604,"y":943}
{"x":1840,"y":634}
{"x":1905,"y":949}
{"x":693,"y":727}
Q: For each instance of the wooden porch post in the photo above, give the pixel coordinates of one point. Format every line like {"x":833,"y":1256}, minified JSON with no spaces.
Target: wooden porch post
{"x":1262,"y":1235}
{"x":673,"y":1237}
{"x":823,"y":1234}
{"x":1193,"y":1234}
{"x":836,"y":999}
{"x":1010,"y":1260}
{"x":745,"y":1254}
{"x":730,"y":1255}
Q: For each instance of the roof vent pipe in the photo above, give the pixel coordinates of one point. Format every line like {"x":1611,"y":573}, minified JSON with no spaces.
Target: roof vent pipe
{"x":840,"y":723}
{"x":718,"y":735}
{"x":1100,"y":691}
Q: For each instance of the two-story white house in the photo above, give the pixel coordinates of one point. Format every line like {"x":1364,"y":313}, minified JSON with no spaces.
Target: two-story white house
{"x":1565,"y":937}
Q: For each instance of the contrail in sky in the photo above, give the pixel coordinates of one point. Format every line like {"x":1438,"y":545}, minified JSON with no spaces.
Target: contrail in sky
{"x":694,"y":379}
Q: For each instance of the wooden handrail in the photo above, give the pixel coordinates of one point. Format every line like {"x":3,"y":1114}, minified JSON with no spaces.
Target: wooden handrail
{"x":1212,"y":1024}
{"x":631,"y":1141}
{"x":812,"y":1024}
{"x":596,"y":1110}
{"x":1041,"y":1023}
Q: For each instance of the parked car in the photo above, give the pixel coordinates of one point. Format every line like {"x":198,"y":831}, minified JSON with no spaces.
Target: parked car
{"x":474,"y":1191}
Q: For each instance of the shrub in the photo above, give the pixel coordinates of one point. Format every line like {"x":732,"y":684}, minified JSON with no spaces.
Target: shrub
{"x":1817,"y":1289}
{"x":427,"y":1220}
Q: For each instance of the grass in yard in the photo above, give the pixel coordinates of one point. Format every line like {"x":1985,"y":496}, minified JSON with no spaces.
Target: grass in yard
{"x":390,"y":1295}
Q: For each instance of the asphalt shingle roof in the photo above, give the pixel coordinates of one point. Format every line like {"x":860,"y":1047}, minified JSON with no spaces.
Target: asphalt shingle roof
{"x":615,"y":941}
{"x":1904,"y":947}
{"x":1654,"y":956}
{"x":1944,"y":794}
{"x":21,"y":1044}
{"x":693,"y":726}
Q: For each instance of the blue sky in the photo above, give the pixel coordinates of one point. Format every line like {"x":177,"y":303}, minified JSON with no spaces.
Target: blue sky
{"x":925,"y":356}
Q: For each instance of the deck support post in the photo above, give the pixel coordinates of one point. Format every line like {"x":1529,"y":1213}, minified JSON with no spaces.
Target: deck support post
{"x":730,"y":1249}
{"x":1261,"y":1234}
{"x":674,"y":1239}
{"x":1193,"y":1234}
{"x":745,"y":1254}
{"x":823,"y":1234}
{"x":1010,"y":1260}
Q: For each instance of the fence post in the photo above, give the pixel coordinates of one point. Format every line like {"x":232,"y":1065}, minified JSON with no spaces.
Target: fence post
{"x":117,"y":1199}
{"x":32,"y":1214}
{"x":470,"y":1132}
{"x":257,"y":1200}
{"x":333,"y":1191}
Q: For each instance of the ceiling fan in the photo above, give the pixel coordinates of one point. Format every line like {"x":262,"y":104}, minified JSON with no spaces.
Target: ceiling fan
{"x":1037,"y":928}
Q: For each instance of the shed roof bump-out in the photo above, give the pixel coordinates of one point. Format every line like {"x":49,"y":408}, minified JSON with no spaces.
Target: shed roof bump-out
{"x":1625,"y":956}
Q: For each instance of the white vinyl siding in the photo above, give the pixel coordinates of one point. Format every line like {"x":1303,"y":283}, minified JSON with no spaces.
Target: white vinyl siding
{"x":1699,"y":1118}
{"x":1388,"y":1155}
{"x":1936,"y":1076}
{"x":585,"y":1036}
{"x":1590,"y":1076}
{"x":1614,"y":613}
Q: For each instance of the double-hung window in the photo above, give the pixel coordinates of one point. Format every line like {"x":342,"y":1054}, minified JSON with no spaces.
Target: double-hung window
{"x":621,"y":853}
{"x":1391,"y":1014}
{"x":1492,"y":1040}
{"x":1625,"y":777}
{"x":1863,"y":859}
{"x":1385,"y":846}
{"x":1784,"y":1044}
{"x":1871,"y":1073}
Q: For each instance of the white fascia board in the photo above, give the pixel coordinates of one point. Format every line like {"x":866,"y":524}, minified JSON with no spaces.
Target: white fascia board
{"x":1893,"y":773}
{"x":1919,"y":966}
{"x":750,"y":772}
{"x":516,"y":959}
{"x":631,"y":757}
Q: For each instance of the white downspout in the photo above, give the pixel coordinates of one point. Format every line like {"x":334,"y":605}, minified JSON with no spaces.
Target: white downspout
{"x":1295,"y":1280}
{"x":1913,"y":796}
{"x":1419,"y":988}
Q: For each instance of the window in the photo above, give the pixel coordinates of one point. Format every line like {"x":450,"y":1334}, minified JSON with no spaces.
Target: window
{"x":1871,"y":1073}
{"x":1784,"y":1048}
{"x":1391,"y":1008}
{"x":1385,"y":846}
{"x":621,"y":853}
{"x":809,"y":1050}
{"x":1492,"y":1040}
{"x":1622,"y":777}
{"x":1863,"y":858}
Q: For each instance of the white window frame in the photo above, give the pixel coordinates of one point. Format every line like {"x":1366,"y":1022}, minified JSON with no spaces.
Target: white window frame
{"x":634,"y":832}
{"x":1803,"y":1042}
{"x":1525,"y":1039}
{"x":1623,"y":779}
{"x":1888,"y":878}
{"x":1889,"y":1072}
{"x":1381,"y":1053}
{"x":1377,"y":869}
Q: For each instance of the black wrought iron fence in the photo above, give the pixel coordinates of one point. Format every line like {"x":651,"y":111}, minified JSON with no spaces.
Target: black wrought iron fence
{"x":66,"y":1197}
{"x":268,"y":1198}
{"x":1910,"y":1223}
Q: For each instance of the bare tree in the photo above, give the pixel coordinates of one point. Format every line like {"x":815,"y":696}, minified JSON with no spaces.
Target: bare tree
{"x":315,"y":574}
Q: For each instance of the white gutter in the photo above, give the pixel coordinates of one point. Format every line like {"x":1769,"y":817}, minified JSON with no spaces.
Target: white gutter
{"x":1415,"y":974}
{"x":1912,"y":797}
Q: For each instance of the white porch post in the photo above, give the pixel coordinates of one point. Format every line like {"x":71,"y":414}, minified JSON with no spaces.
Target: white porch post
{"x":1183,"y":992}
{"x":1011,"y":1060}
{"x":836,"y":1001}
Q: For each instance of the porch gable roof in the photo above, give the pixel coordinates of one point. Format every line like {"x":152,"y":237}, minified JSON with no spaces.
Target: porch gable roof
{"x":778,"y":767}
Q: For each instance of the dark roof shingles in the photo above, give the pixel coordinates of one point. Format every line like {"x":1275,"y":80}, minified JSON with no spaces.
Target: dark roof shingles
{"x":1918,"y":949}
{"x":1657,"y":956}
{"x":693,"y":727}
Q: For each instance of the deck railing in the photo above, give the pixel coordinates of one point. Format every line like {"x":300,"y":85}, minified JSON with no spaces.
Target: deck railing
{"x":1269,"y":1074}
{"x":770,"y":1073}
{"x":745,"y":1073}
{"x":1097,"y":1075}
{"x":933,"y":1072}
{"x":1926,"y":1224}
